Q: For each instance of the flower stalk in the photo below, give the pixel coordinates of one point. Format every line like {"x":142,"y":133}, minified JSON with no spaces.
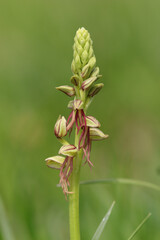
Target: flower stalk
{"x":84,"y":89}
{"x":74,"y":197}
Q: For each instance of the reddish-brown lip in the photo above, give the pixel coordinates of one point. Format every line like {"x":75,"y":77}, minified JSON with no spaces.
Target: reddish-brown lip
{"x":65,"y":172}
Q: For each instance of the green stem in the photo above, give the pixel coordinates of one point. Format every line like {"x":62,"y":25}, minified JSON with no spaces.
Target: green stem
{"x":74,"y":196}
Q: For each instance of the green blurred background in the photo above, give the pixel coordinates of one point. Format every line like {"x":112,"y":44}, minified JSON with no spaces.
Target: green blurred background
{"x":36,"y":39}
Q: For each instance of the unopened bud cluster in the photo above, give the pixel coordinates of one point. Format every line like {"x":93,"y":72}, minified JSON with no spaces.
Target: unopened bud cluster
{"x":84,"y":88}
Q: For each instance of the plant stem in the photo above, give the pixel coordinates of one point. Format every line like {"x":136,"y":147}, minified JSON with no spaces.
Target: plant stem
{"x":74,"y":196}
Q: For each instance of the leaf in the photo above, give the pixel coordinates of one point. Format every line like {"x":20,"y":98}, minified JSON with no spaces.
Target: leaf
{"x":123,"y":181}
{"x":103,"y":223}
{"x":139,"y":226}
{"x":6,"y":230}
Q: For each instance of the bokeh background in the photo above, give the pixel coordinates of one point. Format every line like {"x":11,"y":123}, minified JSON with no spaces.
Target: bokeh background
{"x":36,"y":39}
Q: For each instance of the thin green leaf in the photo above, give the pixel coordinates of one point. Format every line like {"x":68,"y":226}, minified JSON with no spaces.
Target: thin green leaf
{"x":139,"y":226}
{"x":4,"y":225}
{"x":103,"y":223}
{"x":123,"y":181}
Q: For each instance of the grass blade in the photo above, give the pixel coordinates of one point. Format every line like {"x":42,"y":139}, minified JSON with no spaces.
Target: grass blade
{"x":4,"y":225}
{"x":103,"y":223}
{"x":139,"y":226}
{"x":123,"y":181}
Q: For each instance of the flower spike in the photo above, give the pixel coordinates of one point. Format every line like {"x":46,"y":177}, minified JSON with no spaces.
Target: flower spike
{"x":83,"y":89}
{"x":82,"y":51}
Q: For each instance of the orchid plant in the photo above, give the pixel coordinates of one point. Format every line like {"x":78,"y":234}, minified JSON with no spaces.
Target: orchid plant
{"x":86,"y":129}
{"x":69,"y":161}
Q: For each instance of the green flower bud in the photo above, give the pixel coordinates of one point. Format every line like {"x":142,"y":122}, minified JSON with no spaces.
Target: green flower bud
{"x":82,"y":41}
{"x":88,"y":82}
{"x":96,"y":134}
{"x":92,"y":122}
{"x":70,"y":91}
{"x":79,"y":49}
{"x":68,"y":150}
{"x":85,"y":33}
{"x":73,"y":67}
{"x":78,"y":62}
{"x":82,"y":51}
{"x":95,"y":89}
{"x":91,"y":53}
{"x":87,"y":46}
{"x":84,"y":57}
{"x":92,"y":63}
{"x":55,"y":162}
{"x":85,"y":71}
{"x":60,"y":129}
{"x":75,"y":80}
{"x":95,"y":72}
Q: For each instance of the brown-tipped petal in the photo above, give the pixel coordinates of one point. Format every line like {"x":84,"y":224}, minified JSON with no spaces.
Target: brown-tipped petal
{"x":92,"y":122}
{"x":60,"y":129}
{"x":95,"y":89}
{"x":55,"y":162}
{"x":88,"y":82}
{"x":70,"y":91}
{"x":75,"y":80}
{"x":68,"y":150}
{"x":96,"y":134}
